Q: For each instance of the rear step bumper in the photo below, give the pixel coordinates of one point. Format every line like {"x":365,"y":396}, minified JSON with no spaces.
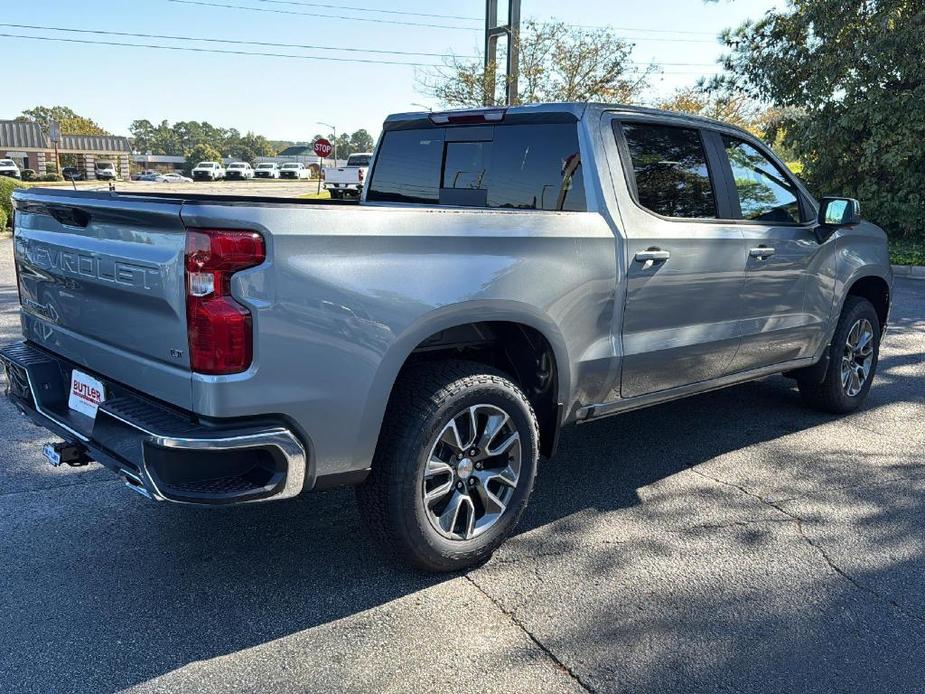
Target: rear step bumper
{"x":165,"y":454}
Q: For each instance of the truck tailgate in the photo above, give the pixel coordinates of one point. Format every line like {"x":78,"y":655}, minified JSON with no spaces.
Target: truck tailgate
{"x":101,"y":281}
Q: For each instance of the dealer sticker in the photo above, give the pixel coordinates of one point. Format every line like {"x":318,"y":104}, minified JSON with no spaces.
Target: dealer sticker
{"x":86,"y":394}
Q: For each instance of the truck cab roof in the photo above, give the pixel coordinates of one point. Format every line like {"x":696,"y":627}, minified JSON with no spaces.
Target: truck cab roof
{"x":542,"y":112}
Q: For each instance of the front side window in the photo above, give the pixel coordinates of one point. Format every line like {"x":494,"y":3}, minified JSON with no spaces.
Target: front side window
{"x":520,"y":166}
{"x":670,"y":170}
{"x":765,"y":193}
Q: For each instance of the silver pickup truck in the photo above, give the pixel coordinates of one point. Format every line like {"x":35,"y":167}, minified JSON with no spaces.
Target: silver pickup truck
{"x":509,"y":271}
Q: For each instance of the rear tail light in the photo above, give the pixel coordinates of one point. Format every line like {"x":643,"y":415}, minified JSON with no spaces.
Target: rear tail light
{"x":219,"y":328}
{"x":361,"y":175}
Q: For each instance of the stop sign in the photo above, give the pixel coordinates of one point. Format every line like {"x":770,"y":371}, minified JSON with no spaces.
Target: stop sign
{"x":322,"y":148}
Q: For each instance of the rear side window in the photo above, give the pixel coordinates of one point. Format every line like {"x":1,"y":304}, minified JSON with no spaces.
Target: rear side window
{"x":765,"y":193}
{"x":670,"y":170}
{"x":526,"y":167}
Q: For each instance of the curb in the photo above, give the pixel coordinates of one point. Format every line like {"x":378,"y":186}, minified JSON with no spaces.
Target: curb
{"x":915,"y":272}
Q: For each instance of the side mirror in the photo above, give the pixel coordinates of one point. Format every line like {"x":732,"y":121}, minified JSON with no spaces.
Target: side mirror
{"x":835,"y":213}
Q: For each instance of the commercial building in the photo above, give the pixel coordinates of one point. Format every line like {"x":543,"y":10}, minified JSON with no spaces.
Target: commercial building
{"x":28,"y":145}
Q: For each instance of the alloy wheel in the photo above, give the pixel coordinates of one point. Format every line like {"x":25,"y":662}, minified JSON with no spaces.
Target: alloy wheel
{"x":472,"y":471}
{"x":857,"y":358}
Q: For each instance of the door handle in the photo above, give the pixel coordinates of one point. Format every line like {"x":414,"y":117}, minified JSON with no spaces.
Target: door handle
{"x":652,"y":254}
{"x":761,"y":252}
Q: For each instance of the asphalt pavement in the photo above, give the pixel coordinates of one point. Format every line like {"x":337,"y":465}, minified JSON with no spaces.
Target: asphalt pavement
{"x":732,"y":542}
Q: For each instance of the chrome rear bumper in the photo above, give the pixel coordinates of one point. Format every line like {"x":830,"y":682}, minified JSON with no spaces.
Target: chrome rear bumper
{"x":164,"y":453}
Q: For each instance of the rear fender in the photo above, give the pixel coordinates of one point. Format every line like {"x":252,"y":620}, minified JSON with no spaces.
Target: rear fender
{"x":442,"y":319}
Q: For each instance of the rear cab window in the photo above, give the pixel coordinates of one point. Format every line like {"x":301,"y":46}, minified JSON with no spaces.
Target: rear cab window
{"x":670,"y":171}
{"x":521,"y":166}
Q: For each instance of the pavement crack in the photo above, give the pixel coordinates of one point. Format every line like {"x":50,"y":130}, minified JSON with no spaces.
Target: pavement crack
{"x":799,"y":522}
{"x":516,"y":621}
{"x":728,"y":524}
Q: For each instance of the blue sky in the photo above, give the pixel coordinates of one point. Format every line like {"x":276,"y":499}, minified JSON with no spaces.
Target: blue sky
{"x":285,"y":98}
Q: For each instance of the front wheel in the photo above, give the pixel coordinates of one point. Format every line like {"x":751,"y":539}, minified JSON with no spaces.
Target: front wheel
{"x":853,"y":355}
{"x":454,"y":467}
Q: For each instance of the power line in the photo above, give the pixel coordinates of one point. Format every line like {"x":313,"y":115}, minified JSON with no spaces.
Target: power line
{"x":230,"y":41}
{"x":321,"y":16}
{"x":644,"y":31}
{"x":191,"y":49}
{"x":227,"y":6}
{"x":370,"y":9}
{"x":291,"y":56}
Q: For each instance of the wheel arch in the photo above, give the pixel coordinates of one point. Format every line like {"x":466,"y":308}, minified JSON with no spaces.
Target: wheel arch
{"x":877,"y":290}
{"x":420,"y":336}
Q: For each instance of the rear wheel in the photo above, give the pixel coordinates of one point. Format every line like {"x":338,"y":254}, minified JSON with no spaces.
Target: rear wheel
{"x":454,"y":467}
{"x":853,"y":356}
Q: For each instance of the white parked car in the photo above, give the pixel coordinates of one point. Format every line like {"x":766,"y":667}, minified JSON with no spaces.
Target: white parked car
{"x":294,"y":170}
{"x":8,"y":168}
{"x":208,"y":171}
{"x":347,"y":181}
{"x":171,"y":178}
{"x":239,"y":169}
{"x":267,"y":169}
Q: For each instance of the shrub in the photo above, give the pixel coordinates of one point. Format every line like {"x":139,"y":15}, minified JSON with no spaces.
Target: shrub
{"x":7,"y":185}
{"x":3,"y":220}
{"x":50,"y":177}
{"x":28,"y":174}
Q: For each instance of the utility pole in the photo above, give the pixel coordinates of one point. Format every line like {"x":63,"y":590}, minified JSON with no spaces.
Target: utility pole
{"x":493,"y":32}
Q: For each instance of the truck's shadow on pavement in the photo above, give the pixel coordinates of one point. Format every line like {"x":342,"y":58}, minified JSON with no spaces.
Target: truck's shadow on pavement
{"x":104,"y":591}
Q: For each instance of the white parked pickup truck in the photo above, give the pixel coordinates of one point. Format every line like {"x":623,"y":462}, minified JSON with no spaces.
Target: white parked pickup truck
{"x":239,"y":170}
{"x":267,"y":170}
{"x":208,"y":171}
{"x":347,"y":181}
{"x":294,"y":170}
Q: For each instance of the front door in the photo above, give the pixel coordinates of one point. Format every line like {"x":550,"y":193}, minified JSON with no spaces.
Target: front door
{"x":787,"y":296}
{"x":685,"y":266}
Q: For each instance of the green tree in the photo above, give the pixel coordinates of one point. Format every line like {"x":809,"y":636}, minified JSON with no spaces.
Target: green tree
{"x":558,"y":62}
{"x":250,"y":146}
{"x":68,"y":121}
{"x":155,"y":139}
{"x":734,"y":108}
{"x":344,"y":148}
{"x":201,"y":152}
{"x":362,"y":141}
{"x":850,"y":79}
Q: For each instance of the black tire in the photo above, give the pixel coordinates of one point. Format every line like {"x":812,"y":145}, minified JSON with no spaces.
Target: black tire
{"x":423,"y":403}
{"x":830,"y":395}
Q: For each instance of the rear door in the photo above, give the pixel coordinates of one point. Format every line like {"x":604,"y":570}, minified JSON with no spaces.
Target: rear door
{"x":685,"y":265}
{"x":786,"y":297}
{"x":101,"y":282}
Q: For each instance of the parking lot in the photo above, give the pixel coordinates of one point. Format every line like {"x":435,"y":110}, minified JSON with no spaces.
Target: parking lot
{"x":733,"y":542}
